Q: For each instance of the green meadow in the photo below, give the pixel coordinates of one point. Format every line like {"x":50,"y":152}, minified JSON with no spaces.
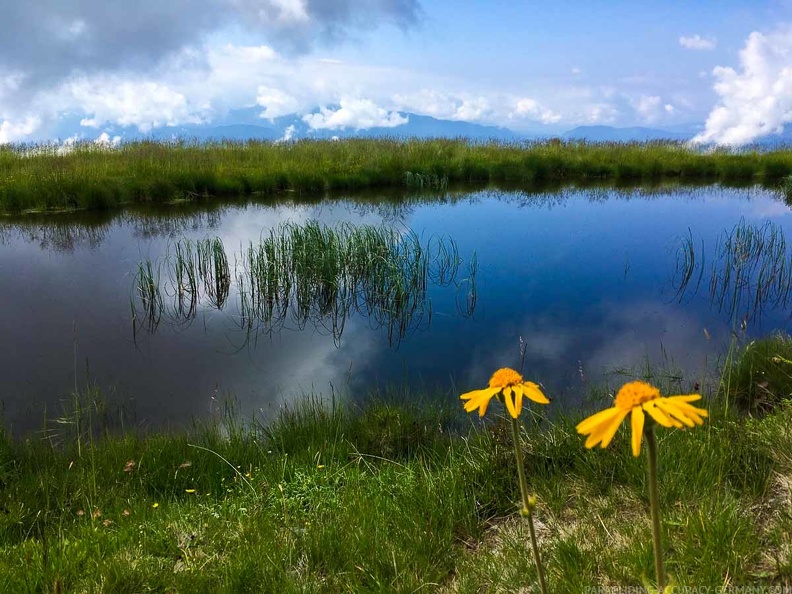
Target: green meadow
{"x":88,"y":177}
{"x":400,"y":495}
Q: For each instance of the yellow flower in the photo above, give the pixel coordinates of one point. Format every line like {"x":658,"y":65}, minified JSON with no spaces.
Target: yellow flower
{"x":155,"y":505}
{"x":511,"y":385}
{"x":637,"y":398}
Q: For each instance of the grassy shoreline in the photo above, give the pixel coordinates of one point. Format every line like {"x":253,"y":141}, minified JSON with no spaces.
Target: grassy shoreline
{"x":389,"y":497}
{"x":90,"y":178}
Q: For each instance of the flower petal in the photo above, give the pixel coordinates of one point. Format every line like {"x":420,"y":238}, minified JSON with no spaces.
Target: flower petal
{"x":658,"y":415}
{"x":607,"y":425}
{"x":532,"y":391}
{"x":674,"y":411}
{"x":686,"y":397}
{"x":587,"y":425}
{"x":607,"y":437}
{"x":479,"y":399}
{"x":637,"y":422}
{"x":508,"y":400}
{"x":518,"y":396}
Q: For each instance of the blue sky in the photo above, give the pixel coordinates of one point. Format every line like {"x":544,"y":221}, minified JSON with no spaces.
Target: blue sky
{"x":345,"y":64}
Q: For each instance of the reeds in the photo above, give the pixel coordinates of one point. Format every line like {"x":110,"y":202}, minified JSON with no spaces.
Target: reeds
{"x":152,"y":172}
{"x":301,"y":274}
{"x":751,"y":269}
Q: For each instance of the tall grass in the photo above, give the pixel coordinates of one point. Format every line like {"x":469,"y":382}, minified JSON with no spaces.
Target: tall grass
{"x":146,"y":172}
{"x":302,"y":274}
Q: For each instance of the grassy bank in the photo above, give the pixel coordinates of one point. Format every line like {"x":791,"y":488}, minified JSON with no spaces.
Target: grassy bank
{"x":41,"y":178}
{"x":389,"y":497}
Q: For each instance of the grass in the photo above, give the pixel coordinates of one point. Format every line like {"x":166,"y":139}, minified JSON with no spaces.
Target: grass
{"x":44,"y":178}
{"x":387,"y":497}
{"x":761,"y":375}
{"x":305,"y":273}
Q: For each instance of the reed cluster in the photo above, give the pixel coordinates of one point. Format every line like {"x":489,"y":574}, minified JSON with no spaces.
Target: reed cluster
{"x":305,"y":274}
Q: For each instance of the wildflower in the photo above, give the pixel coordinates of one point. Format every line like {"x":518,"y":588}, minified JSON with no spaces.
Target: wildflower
{"x":509,"y":384}
{"x":189,"y":490}
{"x":637,"y":399}
{"x":155,"y":505}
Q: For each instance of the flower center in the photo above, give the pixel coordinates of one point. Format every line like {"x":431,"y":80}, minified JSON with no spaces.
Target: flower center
{"x":505,"y":377}
{"x":634,"y":394}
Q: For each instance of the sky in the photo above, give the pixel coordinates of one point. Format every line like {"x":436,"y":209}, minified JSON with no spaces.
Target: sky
{"x":723,"y":68}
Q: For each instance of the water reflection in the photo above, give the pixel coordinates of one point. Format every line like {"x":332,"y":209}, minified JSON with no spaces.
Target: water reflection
{"x":582,"y":275}
{"x":305,"y":274}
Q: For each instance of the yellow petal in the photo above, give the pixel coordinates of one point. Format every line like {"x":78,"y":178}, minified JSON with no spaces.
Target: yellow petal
{"x":518,"y":396}
{"x":686,"y":397}
{"x":532,"y":391}
{"x":507,"y":399}
{"x":607,"y":437}
{"x":659,"y":416}
{"x":587,"y":425}
{"x":490,"y":392}
{"x":637,"y":422}
{"x":479,"y":399}
{"x":674,"y":411}
{"x":607,"y":424}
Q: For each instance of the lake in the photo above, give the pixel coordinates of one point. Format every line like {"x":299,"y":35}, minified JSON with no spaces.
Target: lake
{"x":590,"y":279}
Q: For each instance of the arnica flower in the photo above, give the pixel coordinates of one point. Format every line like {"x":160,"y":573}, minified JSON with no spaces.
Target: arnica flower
{"x":511,"y":386}
{"x":636,"y":398}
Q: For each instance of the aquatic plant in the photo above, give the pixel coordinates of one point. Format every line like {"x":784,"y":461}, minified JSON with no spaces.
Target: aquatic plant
{"x":310,"y":273}
{"x":639,"y":399}
{"x":509,"y":387}
{"x":751,"y":268}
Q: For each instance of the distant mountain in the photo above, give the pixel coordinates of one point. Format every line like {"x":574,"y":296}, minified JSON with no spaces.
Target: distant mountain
{"x":244,"y":125}
{"x":635,"y":134}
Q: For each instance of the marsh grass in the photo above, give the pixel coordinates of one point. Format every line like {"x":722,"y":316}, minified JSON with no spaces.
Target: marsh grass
{"x":309,"y":273}
{"x":388,"y":496}
{"x":45,"y":178}
{"x":750,"y":268}
{"x":760,"y":376}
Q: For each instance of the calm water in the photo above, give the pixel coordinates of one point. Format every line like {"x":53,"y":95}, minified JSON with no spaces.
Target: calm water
{"x":586,"y":278}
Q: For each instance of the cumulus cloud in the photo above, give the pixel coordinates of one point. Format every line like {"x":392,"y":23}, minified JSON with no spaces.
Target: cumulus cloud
{"x":697,"y":42}
{"x":14,"y":131}
{"x":356,"y":114}
{"x":530,"y":108}
{"x":276,"y":103}
{"x":145,"y":105}
{"x":447,"y":106}
{"x":756,"y":100}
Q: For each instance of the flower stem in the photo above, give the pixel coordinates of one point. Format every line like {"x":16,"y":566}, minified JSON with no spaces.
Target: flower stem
{"x":654,"y":504}
{"x":527,"y":504}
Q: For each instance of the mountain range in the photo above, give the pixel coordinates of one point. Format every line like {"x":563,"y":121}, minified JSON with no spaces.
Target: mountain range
{"x":246,"y":124}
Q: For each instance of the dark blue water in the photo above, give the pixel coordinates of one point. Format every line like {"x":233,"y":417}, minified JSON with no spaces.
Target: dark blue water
{"x":586,"y":278}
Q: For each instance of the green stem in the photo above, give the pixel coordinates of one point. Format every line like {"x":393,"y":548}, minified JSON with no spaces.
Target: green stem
{"x":527,"y":504}
{"x":654,"y":504}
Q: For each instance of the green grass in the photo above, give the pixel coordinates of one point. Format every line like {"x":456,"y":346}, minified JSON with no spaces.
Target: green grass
{"x":388,"y":497}
{"x":761,"y":375}
{"x":39,"y":178}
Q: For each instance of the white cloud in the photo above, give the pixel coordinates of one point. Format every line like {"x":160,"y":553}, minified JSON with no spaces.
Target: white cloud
{"x":530,"y":108}
{"x":697,"y":42}
{"x":145,"y":105}
{"x":15,"y":131}
{"x":104,"y":141}
{"x":757,"y":100}
{"x":443,"y":105}
{"x":356,"y":114}
{"x":276,"y":103}
{"x":288,"y":134}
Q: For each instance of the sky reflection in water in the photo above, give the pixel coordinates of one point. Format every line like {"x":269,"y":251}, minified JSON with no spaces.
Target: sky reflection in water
{"x":585,"y":277}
